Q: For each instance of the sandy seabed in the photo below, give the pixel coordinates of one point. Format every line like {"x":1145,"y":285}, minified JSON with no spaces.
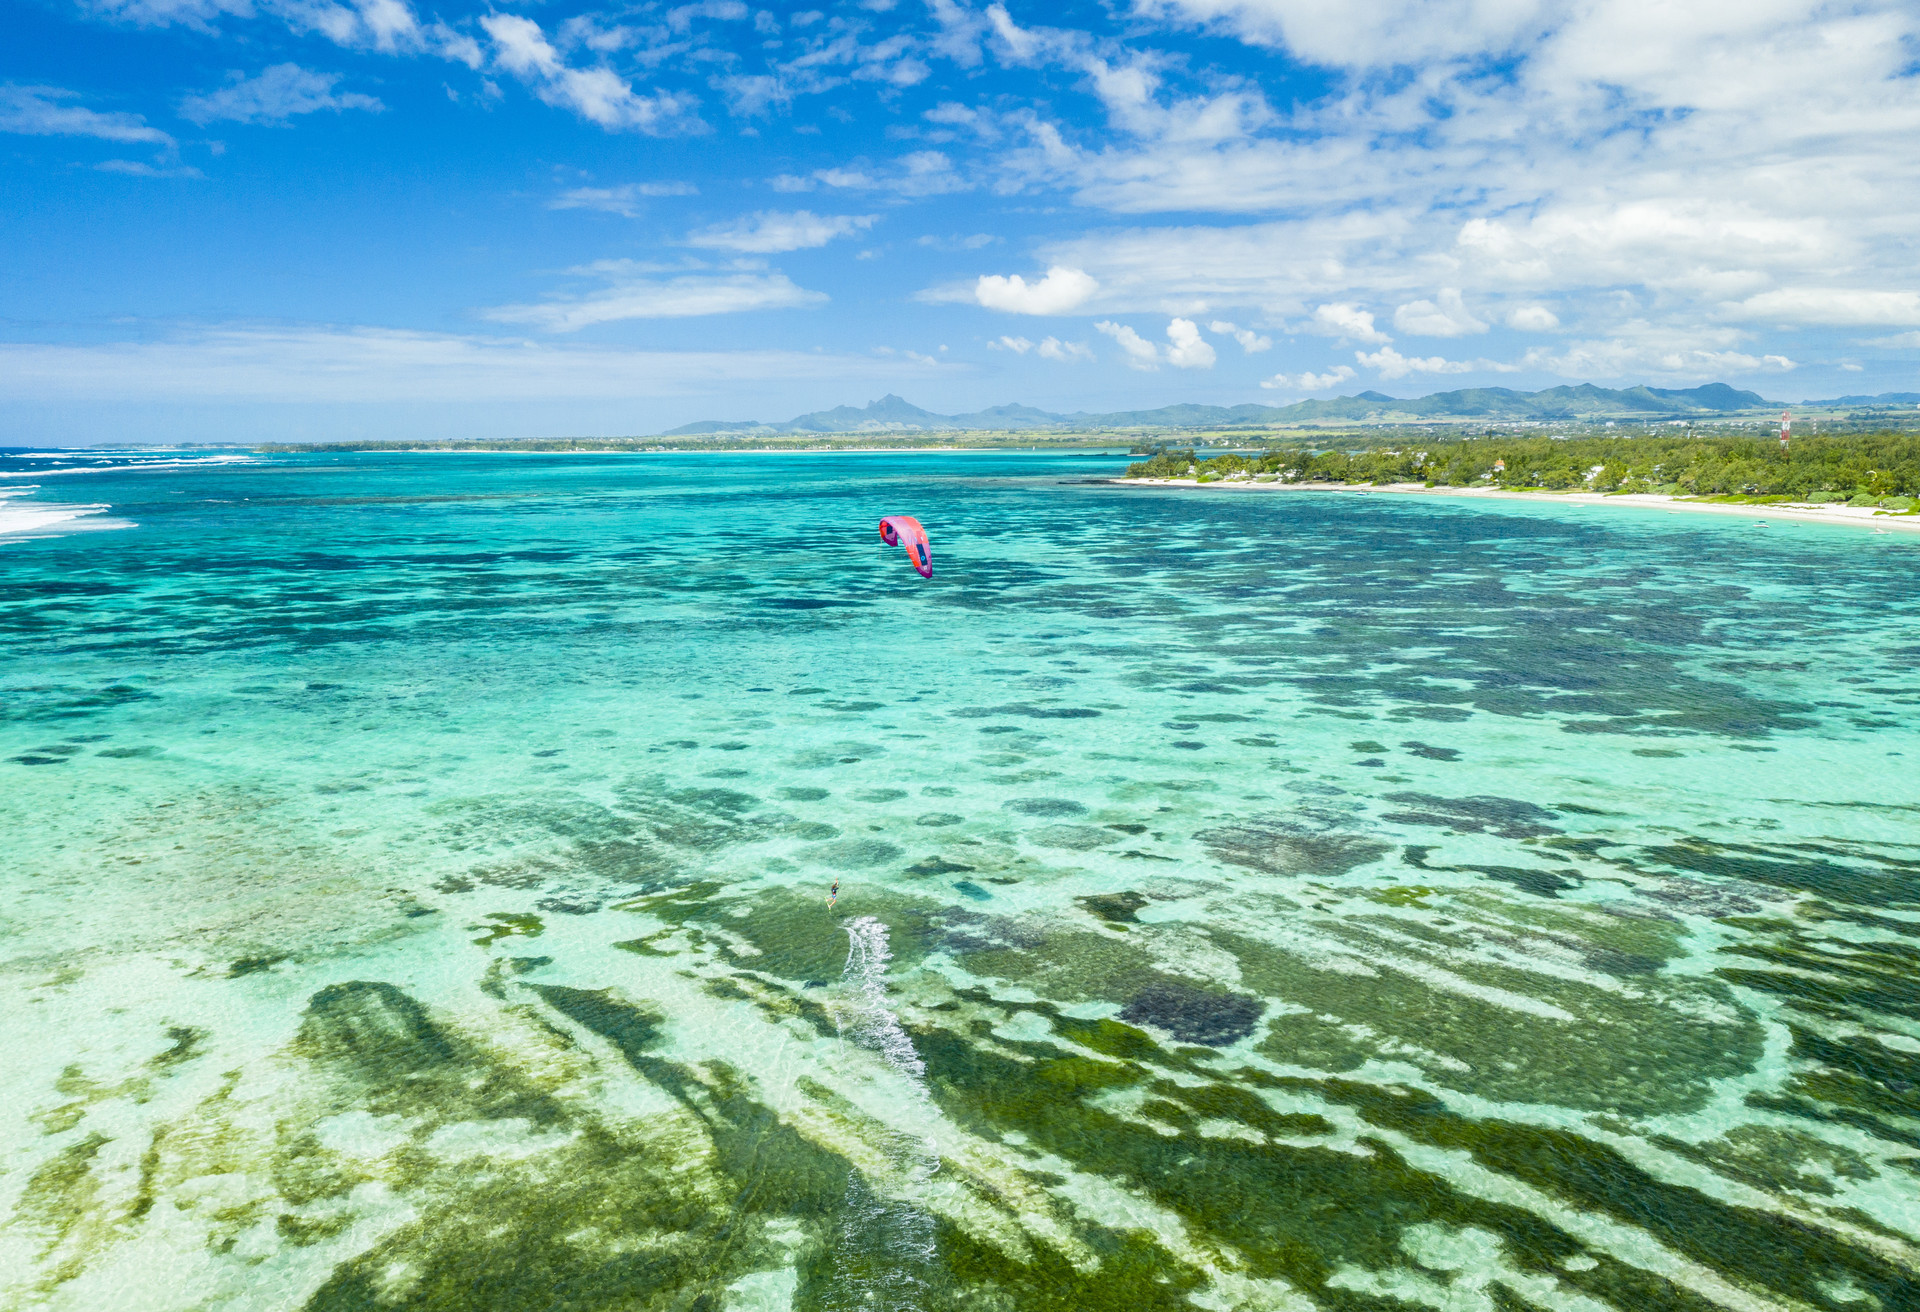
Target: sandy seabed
{"x":1857,"y":516}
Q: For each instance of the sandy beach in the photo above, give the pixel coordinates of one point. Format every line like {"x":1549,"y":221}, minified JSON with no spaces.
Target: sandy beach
{"x":1788,"y":512}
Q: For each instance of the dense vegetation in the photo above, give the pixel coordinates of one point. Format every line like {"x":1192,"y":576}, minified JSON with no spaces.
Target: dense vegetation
{"x":1861,"y":468}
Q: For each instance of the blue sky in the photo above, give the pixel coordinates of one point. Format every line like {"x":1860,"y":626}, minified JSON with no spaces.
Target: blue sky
{"x":371,"y":218}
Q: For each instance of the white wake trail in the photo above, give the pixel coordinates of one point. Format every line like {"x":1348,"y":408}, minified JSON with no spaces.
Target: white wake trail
{"x":884,"y":1248}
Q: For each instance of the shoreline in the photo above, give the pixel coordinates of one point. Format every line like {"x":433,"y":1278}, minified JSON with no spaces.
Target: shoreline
{"x":1788,"y":512}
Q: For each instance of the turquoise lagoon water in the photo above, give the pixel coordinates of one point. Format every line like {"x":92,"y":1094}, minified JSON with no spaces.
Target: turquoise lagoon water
{"x":415,"y":874}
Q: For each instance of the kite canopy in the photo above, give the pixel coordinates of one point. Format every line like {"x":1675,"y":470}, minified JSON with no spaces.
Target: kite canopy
{"x":905,"y":531}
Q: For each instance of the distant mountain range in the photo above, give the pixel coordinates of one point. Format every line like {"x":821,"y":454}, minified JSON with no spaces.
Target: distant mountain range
{"x":891,"y":414}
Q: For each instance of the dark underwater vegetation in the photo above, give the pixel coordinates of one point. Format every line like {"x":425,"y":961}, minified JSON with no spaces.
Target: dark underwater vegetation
{"x":415,"y":896}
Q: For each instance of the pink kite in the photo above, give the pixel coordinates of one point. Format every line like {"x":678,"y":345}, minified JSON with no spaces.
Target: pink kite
{"x":905,"y":530}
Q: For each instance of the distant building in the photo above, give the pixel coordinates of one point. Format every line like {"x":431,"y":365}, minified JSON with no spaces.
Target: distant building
{"x":1499,"y":466}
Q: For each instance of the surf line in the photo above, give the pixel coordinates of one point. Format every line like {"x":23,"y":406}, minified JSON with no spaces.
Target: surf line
{"x":884,"y":1250}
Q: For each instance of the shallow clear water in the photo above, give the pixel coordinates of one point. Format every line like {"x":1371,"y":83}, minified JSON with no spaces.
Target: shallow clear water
{"x":415,"y":893}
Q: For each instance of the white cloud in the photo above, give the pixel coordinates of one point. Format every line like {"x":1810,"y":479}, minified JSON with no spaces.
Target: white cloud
{"x":1052,"y":348}
{"x":1140,"y":353}
{"x":197,"y":14}
{"x":276,"y":95}
{"x":772,"y":231}
{"x":961,"y":31}
{"x":46,"y":112}
{"x":637,"y":292}
{"x":1250,"y":341}
{"x":1061,"y":291}
{"x":134,"y":168}
{"x":921,"y":173}
{"x":1832,"y":305}
{"x":386,"y":25}
{"x":1897,"y":342}
{"x":1446,"y":316}
{"x":597,"y":94}
{"x":1310,"y":382}
{"x":1187,"y":349}
{"x":973,"y":242}
{"x":680,"y":18}
{"x":1018,"y":345}
{"x":1712,"y":245}
{"x":1370,"y":33}
{"x":1641,"y":348}
{"x":1627,"y":159}
{"x":1389,"y":363}
{"x":1341,"y":320}
{"x":916,"y":175}
{"x":1532,"y":319}
{"x":624,"y":200}
{"x":279,"y":365}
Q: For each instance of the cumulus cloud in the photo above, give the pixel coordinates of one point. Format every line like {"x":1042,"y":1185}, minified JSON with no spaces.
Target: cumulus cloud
{"x":637,"y":292}
{"x":277,"y":94}
{"x":1661,"y":166}
{"x":50,"y":112}
{"x":625,"y":200}
{"x":770,"y":232}
{"x":387,"y":25}
{"x":1310,"y":382}
{"x":1049,"y":348}
{"x":1613,"y":161}
{"x":596,"y":94}
{"x":1061,"y":291}
{"x":1052,"y":348}
{"x":1532,"y":319}
{"x":1389,"y":363}
{"x":1186,"y":348}
{"x":1341,"y":320}
{"x":1444,"y":316}
{"x":1250,"y":341}
{"x":1140,"y":353}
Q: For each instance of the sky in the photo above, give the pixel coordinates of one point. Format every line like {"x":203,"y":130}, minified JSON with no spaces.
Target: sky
{"x":325,"y":219}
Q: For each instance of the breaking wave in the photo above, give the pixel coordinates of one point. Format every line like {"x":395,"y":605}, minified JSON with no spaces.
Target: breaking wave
{"x":22,"y":520}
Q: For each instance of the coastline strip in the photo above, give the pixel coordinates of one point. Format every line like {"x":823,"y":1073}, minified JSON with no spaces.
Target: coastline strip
{"x":1854,"y":516}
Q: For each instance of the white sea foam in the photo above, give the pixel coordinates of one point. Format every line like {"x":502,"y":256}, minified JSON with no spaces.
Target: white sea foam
{"x":116,"y":463}
{"x":22,"y":520}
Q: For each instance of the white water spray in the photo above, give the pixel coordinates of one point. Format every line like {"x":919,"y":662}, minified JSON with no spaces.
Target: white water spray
{"x":884,"y":1248}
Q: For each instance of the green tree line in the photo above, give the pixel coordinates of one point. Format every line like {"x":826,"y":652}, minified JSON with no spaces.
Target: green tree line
{"x":1863,"y":468}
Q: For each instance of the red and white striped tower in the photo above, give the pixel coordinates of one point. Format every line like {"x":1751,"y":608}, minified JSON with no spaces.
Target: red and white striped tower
{"x":1786,"y":427}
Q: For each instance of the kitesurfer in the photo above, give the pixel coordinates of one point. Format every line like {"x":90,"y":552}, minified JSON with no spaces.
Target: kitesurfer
{"x":905,"y":531}
{"x":833,"y":894}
